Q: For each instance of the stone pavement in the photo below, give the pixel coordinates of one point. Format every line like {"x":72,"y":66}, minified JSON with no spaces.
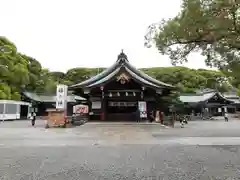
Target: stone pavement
{"x":201,"y":151}
{"x":21,"y":133}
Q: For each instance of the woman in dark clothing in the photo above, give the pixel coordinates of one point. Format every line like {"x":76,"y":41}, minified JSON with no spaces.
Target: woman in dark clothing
{"x":33,"y":118}
{"x":138,"y":115}
{"x":161,"y":117}
{"x":151,"y":116}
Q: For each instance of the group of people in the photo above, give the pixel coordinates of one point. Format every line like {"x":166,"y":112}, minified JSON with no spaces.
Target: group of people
{"x":152,"y":116}
{"x":156,"y":116}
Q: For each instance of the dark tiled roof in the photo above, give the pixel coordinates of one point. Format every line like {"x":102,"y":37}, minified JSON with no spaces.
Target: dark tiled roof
{"x":123,"y":65}
{"x":201,"y":97}
{"x":44,"y":98}
{"x":147,"y":77}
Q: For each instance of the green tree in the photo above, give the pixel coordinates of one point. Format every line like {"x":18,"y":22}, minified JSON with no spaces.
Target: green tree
{"x":45,"y":83}
{"x":13,"y":70}
{"x":19,"y":71}
{"x":77,"y":75}
{"x":209,"y":26}
{"x":57,"y":76}
{"x":189,"y":80}
{"x":5,"y":91}
{"x":34,"y":71}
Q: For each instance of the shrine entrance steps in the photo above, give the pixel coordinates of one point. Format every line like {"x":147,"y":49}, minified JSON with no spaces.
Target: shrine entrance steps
{"x":113,"y":123}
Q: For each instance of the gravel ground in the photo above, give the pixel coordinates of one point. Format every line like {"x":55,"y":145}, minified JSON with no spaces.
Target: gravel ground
{"x":201,"y":150}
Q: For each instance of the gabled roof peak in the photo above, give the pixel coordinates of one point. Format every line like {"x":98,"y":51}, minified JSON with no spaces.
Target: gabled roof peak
{"x":122,"y":57}
{"x":122,"y":65}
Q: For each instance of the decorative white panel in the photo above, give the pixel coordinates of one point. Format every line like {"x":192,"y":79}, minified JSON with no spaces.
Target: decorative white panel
{"x":96,"y":105}
{"x":142,"y":106}
{"x":86,"y":91}
{"x":61,"y":97}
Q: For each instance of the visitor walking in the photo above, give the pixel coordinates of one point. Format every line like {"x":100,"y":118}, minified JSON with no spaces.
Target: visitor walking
{"x":226,"y":117}
{"x":33,"y":118}
{"x":181,"y":119}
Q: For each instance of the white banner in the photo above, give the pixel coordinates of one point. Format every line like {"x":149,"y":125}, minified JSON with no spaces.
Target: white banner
{"x":142,"y":106}
{"x":61,"y":97}
{"x":225,"y":109}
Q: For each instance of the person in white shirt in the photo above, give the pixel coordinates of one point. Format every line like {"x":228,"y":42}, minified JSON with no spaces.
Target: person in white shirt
{"x":226,"y":117}
{"x":33,"y":118}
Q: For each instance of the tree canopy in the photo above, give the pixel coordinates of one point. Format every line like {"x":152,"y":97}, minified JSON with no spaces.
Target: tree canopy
{"x":13,"y":70}
{"x":19,"y":71}
{"x":211,"y":27}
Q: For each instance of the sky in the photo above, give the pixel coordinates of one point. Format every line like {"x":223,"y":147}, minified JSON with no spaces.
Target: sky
{"x":64,"y":34}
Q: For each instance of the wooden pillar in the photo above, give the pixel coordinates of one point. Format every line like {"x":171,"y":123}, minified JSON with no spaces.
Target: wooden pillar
{"x":90,"y":112}
{"x":103,"y":115}
{"x":142,"y":98}
{"x":142,"y":93}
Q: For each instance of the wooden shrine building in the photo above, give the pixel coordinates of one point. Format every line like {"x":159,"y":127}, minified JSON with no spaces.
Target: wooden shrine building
{"x":210,"y":102}
{"x":42,"y":102}
{"x":114,"y":93}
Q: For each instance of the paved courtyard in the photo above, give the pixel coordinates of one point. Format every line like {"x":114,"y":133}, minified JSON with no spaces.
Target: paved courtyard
{"x":201,"y":150}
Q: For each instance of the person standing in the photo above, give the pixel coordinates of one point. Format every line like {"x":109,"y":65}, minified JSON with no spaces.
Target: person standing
{"x":226,"y":117}
{"x":137,"y":115}
{"x":162,"y":117}
{"x":33,"y":118}
{"x":151,"y":116}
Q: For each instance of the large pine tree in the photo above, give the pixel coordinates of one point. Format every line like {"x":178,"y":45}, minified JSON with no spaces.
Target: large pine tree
{"x":209,"y":26}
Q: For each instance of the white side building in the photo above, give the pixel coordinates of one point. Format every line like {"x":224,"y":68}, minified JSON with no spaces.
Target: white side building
{"x":12,"y":110}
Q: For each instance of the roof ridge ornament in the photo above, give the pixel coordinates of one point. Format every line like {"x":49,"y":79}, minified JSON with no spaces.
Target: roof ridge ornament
{"x":122,"y":57}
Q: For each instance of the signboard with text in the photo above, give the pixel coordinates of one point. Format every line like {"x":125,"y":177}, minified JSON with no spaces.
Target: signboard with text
{"x":61,"y":97}
{"x":80,"y":109}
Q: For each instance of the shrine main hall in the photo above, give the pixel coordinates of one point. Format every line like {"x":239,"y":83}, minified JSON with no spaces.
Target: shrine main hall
{"x":115,"y":93}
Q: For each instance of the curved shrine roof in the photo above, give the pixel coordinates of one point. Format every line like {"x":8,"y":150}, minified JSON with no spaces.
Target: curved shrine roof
{"x":122,"y":65}
{"x":203,"y":97}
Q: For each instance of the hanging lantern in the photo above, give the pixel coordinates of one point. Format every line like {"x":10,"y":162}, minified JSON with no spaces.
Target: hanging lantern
{"x":118,"y":93}
{"x":110,"y":94}
{"x":126,"y":93}
{"x":134,"y":94}
{"x":102,"y":88}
